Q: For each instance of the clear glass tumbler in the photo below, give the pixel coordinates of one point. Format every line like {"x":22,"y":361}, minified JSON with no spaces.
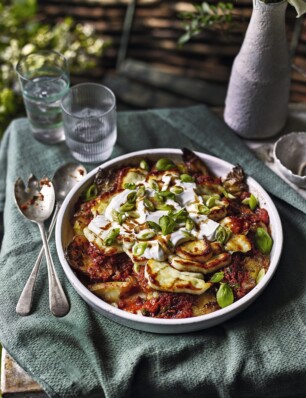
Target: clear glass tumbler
{"x":44,"y":79}
{"x":89,"y":114}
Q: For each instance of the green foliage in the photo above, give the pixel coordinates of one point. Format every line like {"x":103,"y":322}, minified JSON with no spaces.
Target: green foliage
{"x":205,"y":15}
{"x":21,"y":32}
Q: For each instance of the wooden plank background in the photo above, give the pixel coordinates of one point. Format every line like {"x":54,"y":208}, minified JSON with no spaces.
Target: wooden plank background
{"x":155,"y":33}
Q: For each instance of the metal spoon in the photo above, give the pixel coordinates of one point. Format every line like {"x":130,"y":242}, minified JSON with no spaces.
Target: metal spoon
{"x":64,"y":179}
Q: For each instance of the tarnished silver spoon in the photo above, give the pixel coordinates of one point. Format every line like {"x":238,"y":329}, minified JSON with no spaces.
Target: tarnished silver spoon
{"x":64,"y":179}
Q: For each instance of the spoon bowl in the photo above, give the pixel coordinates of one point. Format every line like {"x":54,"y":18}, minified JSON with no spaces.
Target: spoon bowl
{"x":65,"y":178}
{"x":35,"y":204}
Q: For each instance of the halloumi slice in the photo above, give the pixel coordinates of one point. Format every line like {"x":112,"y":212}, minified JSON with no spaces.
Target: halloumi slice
{"x":111,"y":292}
{"x":197,"y":250}
{"x":212,"y":265}
{"x":115,"y":248}
{"x":161,"y":276}
{"x":238,"y":243}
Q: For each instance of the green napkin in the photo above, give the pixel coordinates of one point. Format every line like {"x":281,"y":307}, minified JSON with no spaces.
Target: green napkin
{"x":259,"y":353}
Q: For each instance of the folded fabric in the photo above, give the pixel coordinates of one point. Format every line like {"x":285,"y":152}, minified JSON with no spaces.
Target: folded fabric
{"x":259,"y":353}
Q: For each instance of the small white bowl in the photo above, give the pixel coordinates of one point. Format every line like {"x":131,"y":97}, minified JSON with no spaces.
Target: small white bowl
{"x":221,"y":168}
{"x":290,"y":156}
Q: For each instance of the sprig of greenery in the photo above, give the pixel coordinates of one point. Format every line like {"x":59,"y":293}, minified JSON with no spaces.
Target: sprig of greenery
{"x":204,"y":15}
{"x":21,"y":33}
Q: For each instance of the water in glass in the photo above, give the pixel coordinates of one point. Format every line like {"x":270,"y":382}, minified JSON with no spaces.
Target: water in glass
{"x":42,"y":97}
{"x":92,"y":138}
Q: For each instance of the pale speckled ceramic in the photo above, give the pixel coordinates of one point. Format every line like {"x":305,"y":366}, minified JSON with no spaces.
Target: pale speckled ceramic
{"x":219,"y":167}
{"x":256,"y":104}
{"x":290,"y":156}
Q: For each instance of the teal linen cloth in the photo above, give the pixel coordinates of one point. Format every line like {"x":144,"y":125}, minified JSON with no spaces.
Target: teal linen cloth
{"x":259,"y":353}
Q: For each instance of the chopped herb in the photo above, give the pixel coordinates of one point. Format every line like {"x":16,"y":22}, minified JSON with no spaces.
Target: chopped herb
{"x":263,"y":241}
{"x":217,"y":277}
{"x":225,"y":295}
{"x":154,"y":226}
{"x":167,"y":225}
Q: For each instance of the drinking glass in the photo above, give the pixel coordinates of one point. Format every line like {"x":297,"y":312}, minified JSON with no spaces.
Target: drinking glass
{"x":89,"y":114}
{"x":44,"y":79}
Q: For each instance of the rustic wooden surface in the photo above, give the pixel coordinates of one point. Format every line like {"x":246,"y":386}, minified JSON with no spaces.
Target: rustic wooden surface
{"x":15,"y":382}
{"x":155,"y":33}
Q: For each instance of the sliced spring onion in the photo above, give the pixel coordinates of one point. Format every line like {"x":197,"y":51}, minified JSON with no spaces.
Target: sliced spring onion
{"x":164,"y":207}
{"x":154,"y":185}
{"x":129,"y":185}
{"x":127,"y":207}
{"x":141,"y":191}
{"x":144,"y":165}
{"x":148,"y":204}
{"x":164,"y":164}
{"x":227,"y":194}
{"x":176,"y":190}
{"x":251,"y":201}
{"x":166,"y":194}
{"x":134,"y":214}
{"x":131,"y":198}
{"x":210,"y":200}
{"x":118,"y":217}
{"x":189,"y":224}
{"x":111,"y":236}
{"x":260,"y":275}
{"x":146,"y":234}
{"x":139,"y":248}
{"x":186,"y":178}
{"x":222,"y":234}
{"x":91,"y":192}
{"x":202,"y":209}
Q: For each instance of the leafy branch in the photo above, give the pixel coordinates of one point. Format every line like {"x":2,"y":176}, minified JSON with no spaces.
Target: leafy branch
{"x":21,"y":32}
{"x":205,"y":15}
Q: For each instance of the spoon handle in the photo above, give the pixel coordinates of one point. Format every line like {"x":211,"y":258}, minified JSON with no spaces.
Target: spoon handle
{"x":24,"y":304}
{"x":59,"y":305}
